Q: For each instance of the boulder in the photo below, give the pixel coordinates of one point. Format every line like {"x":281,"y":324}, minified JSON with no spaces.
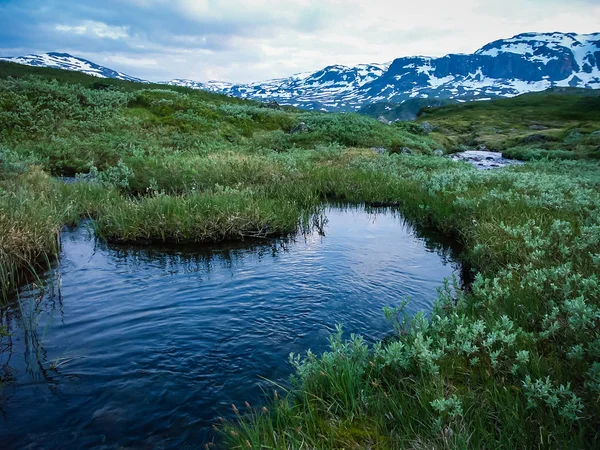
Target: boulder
{"x":573,"y":135}
{"x":481,"y":148}
{"x":427,"y":127}
{"x":300,"y":128}
{"x":406,"y":151}
{"x":383,"y":120}
{"x":534,"y":139}
{"x":272,"y":105}
{"x":438,"y":152}
{"x":538,"y":127}
{"x":596,"y":133}
{"x":379,"y":150}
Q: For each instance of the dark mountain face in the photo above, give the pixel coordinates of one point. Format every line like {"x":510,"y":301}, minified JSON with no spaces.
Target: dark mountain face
{"x":507,"y":67}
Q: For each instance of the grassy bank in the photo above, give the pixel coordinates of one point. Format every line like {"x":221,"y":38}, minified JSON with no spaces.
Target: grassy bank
{"x":556,"y":124}
{"x":513,"y":363}
{"x":160,"y":163}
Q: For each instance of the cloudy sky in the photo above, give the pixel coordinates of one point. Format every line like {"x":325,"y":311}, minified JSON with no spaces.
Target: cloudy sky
{"x":254,"y":40}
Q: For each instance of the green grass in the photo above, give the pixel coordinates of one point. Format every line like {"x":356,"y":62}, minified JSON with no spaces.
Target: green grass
{"x":474,"y":374}
{"x":33,"y":209}
{"x":563,"y":122}
{"x":512,"y":363}
{"x":215,"y":167}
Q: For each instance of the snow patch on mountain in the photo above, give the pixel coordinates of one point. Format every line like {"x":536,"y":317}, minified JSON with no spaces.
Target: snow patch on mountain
{"x":69,"y":62}
{"x":504,"y":68}
{"x":524,"y":63}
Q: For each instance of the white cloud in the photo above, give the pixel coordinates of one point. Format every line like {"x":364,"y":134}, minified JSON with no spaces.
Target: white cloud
{"x":249,"y":40}
{"x":96,"y":29}
{"x":355,"y":31}
{"x":132,"y":61}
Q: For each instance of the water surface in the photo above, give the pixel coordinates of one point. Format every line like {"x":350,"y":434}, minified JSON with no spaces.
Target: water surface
{"x":144,"y":347}
{"x":485,"y":160}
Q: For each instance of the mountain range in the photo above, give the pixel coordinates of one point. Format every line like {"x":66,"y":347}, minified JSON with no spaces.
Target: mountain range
{"x":524,"y":63}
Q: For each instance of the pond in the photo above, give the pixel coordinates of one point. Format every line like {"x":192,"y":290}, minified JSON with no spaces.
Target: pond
{"x":144,"y":347}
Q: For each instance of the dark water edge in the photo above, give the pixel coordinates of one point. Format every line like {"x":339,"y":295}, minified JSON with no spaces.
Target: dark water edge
{"x":145,"y":346}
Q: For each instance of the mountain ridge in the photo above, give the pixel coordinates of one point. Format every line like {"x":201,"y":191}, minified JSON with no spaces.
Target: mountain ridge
{"x":66,"y":61}
{"x":527,"y":62}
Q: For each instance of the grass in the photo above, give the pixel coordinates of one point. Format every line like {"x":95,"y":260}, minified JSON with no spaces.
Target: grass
{"x":198,"y":218}
{"x":558,"y":124}
{"x":194,"y":155}
{"x":33,"y":209}
{"x":512,"y":363}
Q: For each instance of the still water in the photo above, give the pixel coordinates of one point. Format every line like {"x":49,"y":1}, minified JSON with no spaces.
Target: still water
{"x":143,"y":347}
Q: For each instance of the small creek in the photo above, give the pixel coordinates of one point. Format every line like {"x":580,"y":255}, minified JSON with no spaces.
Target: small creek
{"x":143,"y":347}
{"x":485,"y":160}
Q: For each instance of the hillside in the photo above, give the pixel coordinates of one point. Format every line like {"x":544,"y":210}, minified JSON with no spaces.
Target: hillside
{"x":405,"y":111}
{"x":558,"y":123}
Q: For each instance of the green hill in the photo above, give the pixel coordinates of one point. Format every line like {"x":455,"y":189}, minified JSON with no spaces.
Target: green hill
{"x":558,"y":123}
{"x":408,"y":110}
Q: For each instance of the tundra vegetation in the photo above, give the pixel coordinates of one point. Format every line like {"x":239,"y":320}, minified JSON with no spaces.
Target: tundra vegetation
{"x":512,"y":362}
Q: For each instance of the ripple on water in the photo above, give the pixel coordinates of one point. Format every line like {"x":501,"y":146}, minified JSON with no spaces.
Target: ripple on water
{"x":151,"y":344}
{"x":485,"y":160}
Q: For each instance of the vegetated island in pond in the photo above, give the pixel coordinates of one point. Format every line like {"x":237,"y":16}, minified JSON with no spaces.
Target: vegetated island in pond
{"x":513,"y":363}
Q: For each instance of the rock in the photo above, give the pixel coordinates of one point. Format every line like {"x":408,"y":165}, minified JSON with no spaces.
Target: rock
{"x":438,"y":152}
{"x":481,"y":148}
{"x":534,"y":139}
{"x":379,"y":150}
{"x":484,"y":160}
{"x":538,"y":127}
{"x":383,"y":120}
{"x":406,"y":151}
{"x":596,"y":133}
{"x":272,"y":105}
{"x":300,"y":128}
{"x":427,"y":127}
{"x":573,"y":135}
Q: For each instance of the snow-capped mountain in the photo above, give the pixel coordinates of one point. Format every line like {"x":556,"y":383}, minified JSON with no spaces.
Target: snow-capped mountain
{"x":507,"y":67}
{"x":68,"y":62}
{"x":307,"y":90}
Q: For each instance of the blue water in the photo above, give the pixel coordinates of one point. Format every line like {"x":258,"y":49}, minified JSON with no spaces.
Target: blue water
{"x":144,"y":347}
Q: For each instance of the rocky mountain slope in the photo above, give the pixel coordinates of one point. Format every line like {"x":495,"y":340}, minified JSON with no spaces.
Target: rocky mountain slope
{"x":524,"y":63}
{"x":69,"y":62}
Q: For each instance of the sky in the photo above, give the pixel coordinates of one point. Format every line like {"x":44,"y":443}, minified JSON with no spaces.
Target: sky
{"x":254,"y":40}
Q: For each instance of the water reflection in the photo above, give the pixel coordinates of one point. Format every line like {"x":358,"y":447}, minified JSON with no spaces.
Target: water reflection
{"x":145,"y":346}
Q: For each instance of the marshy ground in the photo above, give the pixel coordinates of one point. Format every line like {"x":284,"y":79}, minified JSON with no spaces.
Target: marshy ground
{"x":513,"y":363}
